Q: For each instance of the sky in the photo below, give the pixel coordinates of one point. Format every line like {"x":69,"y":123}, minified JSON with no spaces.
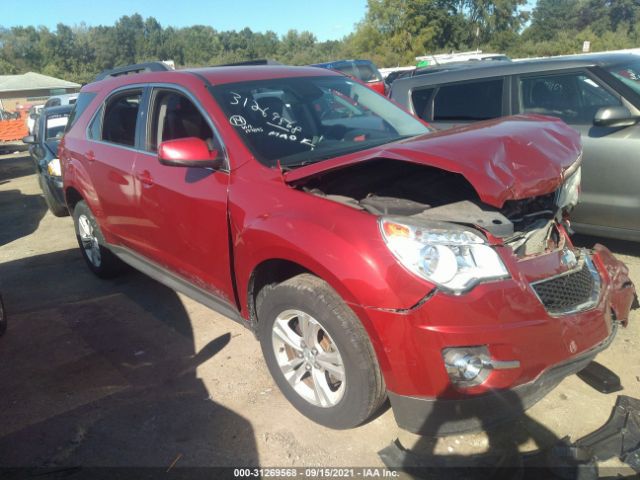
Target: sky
{"x":328,"y":19}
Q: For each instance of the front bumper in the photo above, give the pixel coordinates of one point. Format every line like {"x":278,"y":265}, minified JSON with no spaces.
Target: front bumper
{"x":511,"y":321}
{"x":440,"y":417}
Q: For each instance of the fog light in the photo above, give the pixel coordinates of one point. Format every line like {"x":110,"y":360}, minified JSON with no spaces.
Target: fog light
{"x":466,"y":366}
{"x":470,"y":366}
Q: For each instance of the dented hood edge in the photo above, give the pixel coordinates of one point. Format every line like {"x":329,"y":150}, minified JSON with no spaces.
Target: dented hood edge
{"x":504,"y":159}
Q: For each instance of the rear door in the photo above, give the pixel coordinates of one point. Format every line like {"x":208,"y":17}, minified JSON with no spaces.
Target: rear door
{"x":110,"y":158}
{"x":181,"y":212}
{"x":611,"y":162}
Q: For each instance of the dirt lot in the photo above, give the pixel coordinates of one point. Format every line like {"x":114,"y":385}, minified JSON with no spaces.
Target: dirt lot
{"x":129,"y":373}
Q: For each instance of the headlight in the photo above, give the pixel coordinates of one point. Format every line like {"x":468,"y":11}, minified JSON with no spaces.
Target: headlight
{"x":54,"y":169}
{"x":455,"y":259}
{"x":569,"y":193}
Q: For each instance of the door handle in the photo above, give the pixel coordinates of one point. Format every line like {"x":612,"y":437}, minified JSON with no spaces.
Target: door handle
{"x":90,"y":155}
{"x":145,"y":177}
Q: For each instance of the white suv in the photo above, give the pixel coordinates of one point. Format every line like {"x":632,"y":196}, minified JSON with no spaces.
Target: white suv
{"x":57,"y":100}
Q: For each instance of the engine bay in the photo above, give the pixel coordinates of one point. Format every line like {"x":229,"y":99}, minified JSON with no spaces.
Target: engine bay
{"x":389,"y":187}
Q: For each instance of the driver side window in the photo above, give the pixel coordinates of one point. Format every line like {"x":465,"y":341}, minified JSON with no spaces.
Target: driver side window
{"x":174,"y":116}
{"x":573,"y":97}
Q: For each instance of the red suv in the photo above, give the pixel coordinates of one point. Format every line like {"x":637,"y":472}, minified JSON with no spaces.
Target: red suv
{"x":372,"y":256}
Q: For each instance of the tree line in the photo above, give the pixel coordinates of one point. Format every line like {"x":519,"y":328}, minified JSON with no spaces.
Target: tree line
{"x":392,"y":32}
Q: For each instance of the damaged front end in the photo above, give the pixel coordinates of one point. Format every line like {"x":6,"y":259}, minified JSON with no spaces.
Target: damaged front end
{"x":437,"y":226}
{"x":513,"y":305}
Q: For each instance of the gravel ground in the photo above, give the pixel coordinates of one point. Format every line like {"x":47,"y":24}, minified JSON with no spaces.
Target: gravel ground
{"x":129,"y":373}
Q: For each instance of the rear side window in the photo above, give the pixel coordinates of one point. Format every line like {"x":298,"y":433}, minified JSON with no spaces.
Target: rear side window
{"x":421,"y":102}
{"x":469,"y":101}
{"x":81,"y":104}
{"x":120,"y":116}
{"x":95,"y":128}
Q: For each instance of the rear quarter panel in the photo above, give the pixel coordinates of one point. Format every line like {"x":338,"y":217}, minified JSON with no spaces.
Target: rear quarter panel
{"x":72,"y":147}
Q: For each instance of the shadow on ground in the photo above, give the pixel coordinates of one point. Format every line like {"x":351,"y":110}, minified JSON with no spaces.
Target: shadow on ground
{"x":21,"y":214}
{"x":16,"y":167}
{"x":103,"y":373}
{"x":503,"y":458}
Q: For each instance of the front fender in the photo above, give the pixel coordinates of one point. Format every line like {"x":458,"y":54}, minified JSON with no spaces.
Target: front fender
{"x":622,"y":291}
{"x":349,"y":255}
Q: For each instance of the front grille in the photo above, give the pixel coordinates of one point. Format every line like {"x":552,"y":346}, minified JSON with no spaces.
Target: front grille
{"x":570,"y":292}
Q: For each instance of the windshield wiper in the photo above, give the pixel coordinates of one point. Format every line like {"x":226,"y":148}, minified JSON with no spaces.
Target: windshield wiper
{"x":292,"y":166}
{"x":338,"y":153}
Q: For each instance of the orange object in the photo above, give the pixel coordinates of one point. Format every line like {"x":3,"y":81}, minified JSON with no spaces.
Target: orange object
{"x":11,"y":130}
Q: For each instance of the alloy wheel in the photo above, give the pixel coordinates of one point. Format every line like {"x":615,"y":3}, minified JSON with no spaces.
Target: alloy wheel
{"x":308,"y":358}
{"x":89,"y":240}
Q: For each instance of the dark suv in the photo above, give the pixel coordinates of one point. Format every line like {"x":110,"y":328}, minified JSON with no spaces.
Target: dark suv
{"x":598,"y":95}
{"x":371,"y":256}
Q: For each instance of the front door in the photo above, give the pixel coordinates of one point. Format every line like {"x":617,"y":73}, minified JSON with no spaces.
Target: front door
{"x":182,"y":211}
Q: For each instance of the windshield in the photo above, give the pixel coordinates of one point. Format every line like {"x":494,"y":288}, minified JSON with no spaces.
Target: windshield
{"x":55,"y":126}
{"x":296,"y":121}
{"x":627,"y":73}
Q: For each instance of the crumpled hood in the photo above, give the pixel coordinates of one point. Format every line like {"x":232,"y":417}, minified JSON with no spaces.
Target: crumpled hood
{"x":505,"y":159}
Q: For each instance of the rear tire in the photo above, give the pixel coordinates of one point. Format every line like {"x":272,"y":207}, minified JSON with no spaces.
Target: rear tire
{"x":319,"y":353}
{"x":99,"y":258}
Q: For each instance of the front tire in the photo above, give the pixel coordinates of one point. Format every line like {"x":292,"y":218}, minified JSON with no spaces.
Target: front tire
{"x":99,"y":258}
{"x":319,"y":353}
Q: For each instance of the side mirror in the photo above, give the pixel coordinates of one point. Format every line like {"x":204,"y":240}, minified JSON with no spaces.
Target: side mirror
{"x":29,"y":139}
{"x":188,"y":152}
{"x":614,"y":117}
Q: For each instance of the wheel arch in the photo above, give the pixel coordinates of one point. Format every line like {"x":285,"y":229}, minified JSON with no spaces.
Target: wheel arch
{"x":277,"y":270}
{"x":269,"y":272}
{"x":72,"y":197}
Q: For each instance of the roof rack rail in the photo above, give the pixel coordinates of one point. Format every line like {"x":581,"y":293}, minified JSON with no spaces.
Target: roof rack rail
{"x":262,"y":61}
{"x":136,"y":68}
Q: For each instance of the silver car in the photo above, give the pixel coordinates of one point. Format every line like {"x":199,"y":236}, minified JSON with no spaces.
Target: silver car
{"x":598,"y":95}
